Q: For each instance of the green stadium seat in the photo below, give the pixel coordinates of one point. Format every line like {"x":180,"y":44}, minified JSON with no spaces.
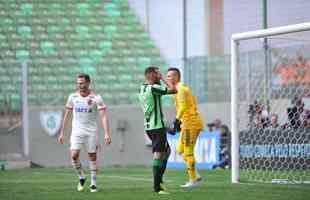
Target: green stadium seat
{"x":105,"y":45}
{"x":4,"y":79}
{"x":111,"y":10}
{"x":35,"y":79}
{"x":82,"y":29}
{"x":128,"y":28}
{"x":6,"y":23}
{"x":47,"y":48}
{"x":24,"y":31}
{"x":101,"y":86}
{"x":33,"y":70}
{"x":95,"y":55}
{"x":54,"y":7}
{"x":69,"y":87}
{"x":144,"y":61}
{"x":110,"y":78}
{"x":64,"y":22}
{"x":120,"y":2}
{"x":125,"y":78}
{"x":134,"y":99}
{"x":110,"y":6}
{"x":2,"y":103}
{"x":123,"y":98}
{"x":12,"y":88}
{"x":97,"y":29}
{"x":55,"y":29}
{"x":41,"y":87}
{"x":66,"y":53}
{"x":89,"y":70}
{"x":3,"y":42}
{"x":32,"y":98}
{"x":55,"y":86}
{"x":107,"y":97}
{"x":83,"y":8}
{"x":110,"y":30}
{"x":26,"y":8}
{"x":22,"y":54}
{"x":15,"y":103}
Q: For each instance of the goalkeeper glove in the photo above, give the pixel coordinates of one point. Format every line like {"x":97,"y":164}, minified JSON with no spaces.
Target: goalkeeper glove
{"x":177,"y":125}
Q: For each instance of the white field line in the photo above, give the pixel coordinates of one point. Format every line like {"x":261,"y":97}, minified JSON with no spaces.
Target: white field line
{"x":130,"y":178}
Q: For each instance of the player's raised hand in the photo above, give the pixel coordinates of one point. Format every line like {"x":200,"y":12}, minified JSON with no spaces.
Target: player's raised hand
{"x":61,"y":137}
{"x":107,"y":139}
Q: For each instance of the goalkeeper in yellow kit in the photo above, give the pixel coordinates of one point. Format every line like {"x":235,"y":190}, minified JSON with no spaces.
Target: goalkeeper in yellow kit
{"x":188,"y":122}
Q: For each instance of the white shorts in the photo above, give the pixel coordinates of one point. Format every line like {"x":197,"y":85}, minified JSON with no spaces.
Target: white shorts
{"x":90,"y":142}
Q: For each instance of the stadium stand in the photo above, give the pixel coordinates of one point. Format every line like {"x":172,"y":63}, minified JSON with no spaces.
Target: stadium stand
{"x":62,"y":38}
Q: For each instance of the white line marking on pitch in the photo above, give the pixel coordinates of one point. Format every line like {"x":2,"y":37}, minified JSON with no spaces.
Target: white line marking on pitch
{"x":109,"y":176}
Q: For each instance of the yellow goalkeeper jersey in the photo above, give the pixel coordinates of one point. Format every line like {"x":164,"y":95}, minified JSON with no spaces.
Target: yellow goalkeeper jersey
{"x":186,"y":108}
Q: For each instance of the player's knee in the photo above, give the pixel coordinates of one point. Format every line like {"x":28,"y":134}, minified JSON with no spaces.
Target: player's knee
{"x":75,"y":155}
{"x":158,"y":155}
{"x":92,"y":156}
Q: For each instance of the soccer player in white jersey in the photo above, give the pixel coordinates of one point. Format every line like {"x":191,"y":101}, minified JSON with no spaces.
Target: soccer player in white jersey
{"x":85,"y":104}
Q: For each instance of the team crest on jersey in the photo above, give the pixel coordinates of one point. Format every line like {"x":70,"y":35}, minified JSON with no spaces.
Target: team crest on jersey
{"x":89,"y":102}
{"x":50,"y":121}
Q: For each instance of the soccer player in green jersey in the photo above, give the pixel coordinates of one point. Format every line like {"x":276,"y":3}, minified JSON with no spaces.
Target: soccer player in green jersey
{"x":150,"y":99}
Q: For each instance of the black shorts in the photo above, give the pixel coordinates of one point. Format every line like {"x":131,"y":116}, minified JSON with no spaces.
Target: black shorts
{"x":159,"y":140}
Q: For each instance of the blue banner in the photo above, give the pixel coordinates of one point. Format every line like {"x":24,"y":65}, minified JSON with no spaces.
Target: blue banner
{"x":275,"y":150}
{"x":207,"y":151}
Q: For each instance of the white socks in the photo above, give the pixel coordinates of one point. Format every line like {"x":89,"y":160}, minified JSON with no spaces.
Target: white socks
{"x":93,"y":172}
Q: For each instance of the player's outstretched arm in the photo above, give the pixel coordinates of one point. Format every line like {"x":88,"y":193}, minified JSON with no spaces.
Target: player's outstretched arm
{"x":105,"y":123}
{"x":61,"y":136}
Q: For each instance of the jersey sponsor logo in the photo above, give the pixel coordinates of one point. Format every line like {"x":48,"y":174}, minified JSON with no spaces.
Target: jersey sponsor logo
{"x":83,"y":110}
{"x":51,"y":121}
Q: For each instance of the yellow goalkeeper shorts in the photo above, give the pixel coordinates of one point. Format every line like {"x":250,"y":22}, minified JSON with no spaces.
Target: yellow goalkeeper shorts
{"x":187,"y":141}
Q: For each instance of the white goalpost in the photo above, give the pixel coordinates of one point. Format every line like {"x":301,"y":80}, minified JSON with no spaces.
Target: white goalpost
{"x":259,"y":151}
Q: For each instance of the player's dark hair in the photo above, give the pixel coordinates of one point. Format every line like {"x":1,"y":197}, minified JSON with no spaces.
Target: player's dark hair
{"x":175,"y":70}
{"x":85,"y":76}
{"x":150,"y":69}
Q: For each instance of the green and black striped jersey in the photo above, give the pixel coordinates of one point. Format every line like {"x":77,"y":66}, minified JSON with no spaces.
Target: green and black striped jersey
{"x":150,"y":101}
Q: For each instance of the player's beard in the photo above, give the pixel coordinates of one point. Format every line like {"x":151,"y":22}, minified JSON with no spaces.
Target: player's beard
{"x":157,"y":81}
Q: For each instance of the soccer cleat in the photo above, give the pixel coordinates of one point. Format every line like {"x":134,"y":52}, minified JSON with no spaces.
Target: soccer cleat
{"x":163,"y":192}
{"x":80,"y":186}
{"x":163,"y":187}
{"x":191,"y":184}
{"x":93,"y":188}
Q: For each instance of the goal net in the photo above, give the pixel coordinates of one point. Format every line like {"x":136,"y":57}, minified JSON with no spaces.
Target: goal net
{"x":271,"y":105}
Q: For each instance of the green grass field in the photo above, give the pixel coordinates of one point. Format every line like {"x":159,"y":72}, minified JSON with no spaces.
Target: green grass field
{"x":135,"y":184}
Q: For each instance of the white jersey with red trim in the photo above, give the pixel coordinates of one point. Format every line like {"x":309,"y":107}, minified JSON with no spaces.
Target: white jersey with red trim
{"x":85,"y":109}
